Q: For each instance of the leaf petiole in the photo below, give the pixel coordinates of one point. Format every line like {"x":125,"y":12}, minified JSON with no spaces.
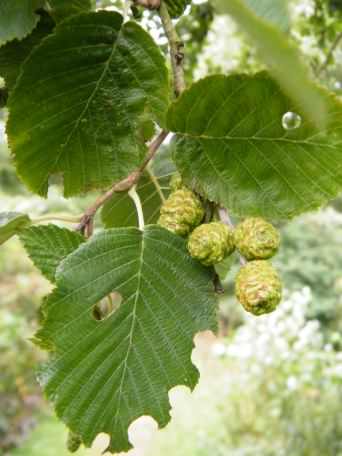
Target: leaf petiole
{"x":137,"y":202}
{"x":57,"y":217}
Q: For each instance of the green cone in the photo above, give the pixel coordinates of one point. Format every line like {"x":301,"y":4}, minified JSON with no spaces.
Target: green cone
{"x":258,"y":287}
{"x":73,"y":442}
{"x":211,"y":243}
{"x":256,"y":239}
{"x":182,"y":212}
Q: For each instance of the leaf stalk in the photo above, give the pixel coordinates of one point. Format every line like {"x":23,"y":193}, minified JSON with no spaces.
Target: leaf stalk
{"x":57,"y":217}
{"x":124,"y":185}
{"x":136,"y":199}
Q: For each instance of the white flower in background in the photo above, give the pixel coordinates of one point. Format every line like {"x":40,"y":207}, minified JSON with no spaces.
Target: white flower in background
{"x":282,"y":340}
{"x":227,"y":51}
{"x":292,"y":383}
{"x":338,"y":84}
{"x":308,"y":45}
{"x":335,"y":371}
{"x":327,"y":217}
{"x":3,"y":137}
{"x":304,"y":8}
{"x":218,"y":349}
{"x":223,"y":48}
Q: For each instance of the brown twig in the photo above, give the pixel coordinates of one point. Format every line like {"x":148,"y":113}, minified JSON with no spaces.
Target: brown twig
{"x":124,"y":185}
{"x":149,"y":4}
{"x":176,"y":49}
{"x":225,"y":218}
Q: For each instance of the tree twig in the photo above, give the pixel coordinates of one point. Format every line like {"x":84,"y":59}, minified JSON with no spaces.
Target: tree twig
{"x":225,"y":218}
{"x":122,"y":186}
{"x":176,"y":49}
{"x":334,"y":45}
{"x":149,"y":4}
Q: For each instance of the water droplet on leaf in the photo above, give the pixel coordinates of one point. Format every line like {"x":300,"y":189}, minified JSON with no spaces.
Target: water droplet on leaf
{"x":291,"y":121}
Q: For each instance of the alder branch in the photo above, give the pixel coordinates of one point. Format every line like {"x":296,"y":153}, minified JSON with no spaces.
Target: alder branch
{"x":122,"y":186}
{"x":176,"y":49}
{"x":225,"y":218}
{"x":149,"y":4}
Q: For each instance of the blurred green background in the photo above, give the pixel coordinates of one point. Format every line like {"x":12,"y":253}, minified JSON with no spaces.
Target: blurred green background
{"x":270,"y":386}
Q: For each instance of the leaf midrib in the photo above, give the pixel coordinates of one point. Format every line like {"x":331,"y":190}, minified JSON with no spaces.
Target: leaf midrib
{"x":221,"y":178}
{"x":104,"y":72}
{"x":134,"y":316}
{"x":85,"y":109}
{"x":256,"y":138}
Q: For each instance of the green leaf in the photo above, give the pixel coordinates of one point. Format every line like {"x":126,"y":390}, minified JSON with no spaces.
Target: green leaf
{"x":13,"y":54}
{"x":275,"y":11}
{"x":17,"y":18}
{"x":232,"y":146}
{"x":48,"y":245}
{"x":283,"y":60}
{"x":62,"y":9}
{"x":105,"y":374}
{"x":176,"y":7}
{"x":11,"y":223}
{"x":101,"y":78}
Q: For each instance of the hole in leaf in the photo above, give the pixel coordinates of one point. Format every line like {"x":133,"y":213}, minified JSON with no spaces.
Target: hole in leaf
{"x":291,"y":121}
{"x":100,"y":444}
{"x":107,"y":306}
{"x":56,"y":179}
{"x":142,"y":431}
